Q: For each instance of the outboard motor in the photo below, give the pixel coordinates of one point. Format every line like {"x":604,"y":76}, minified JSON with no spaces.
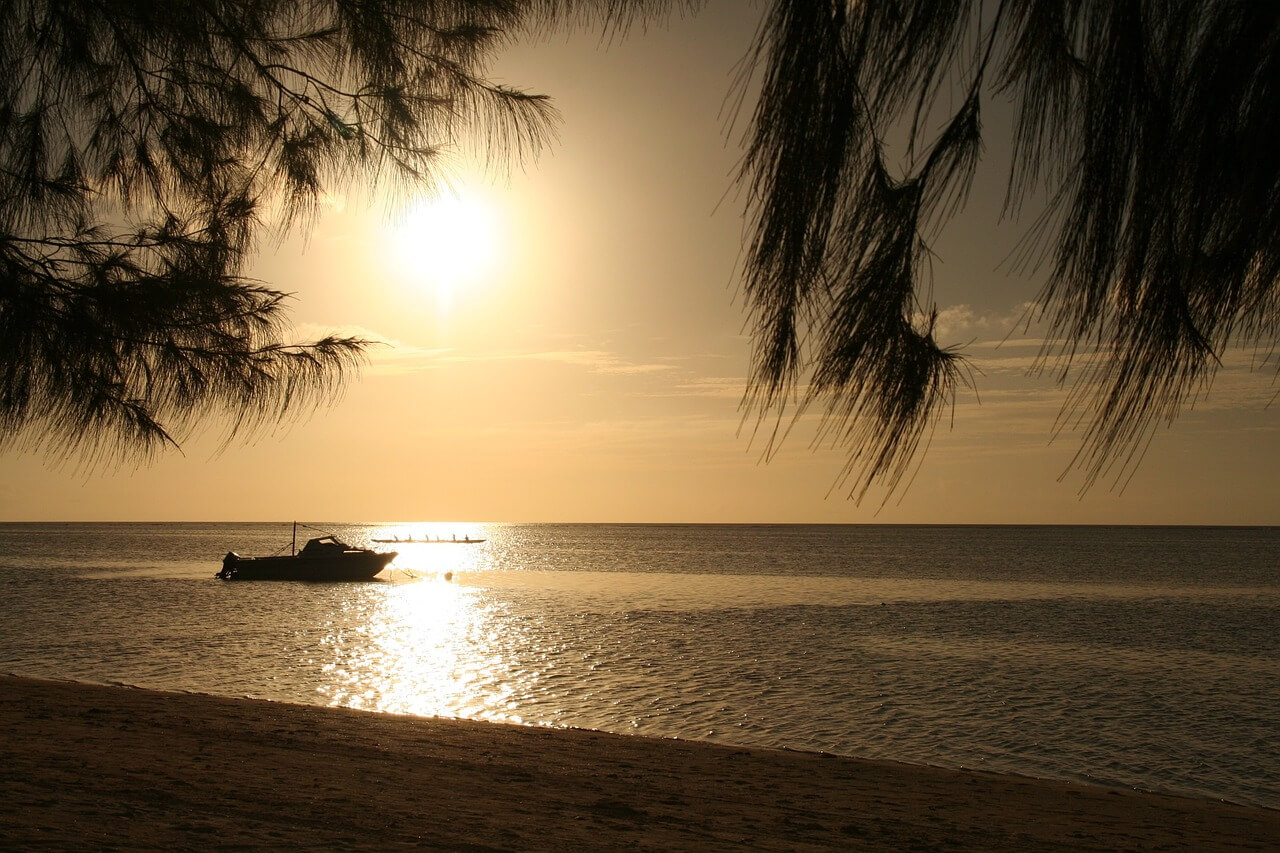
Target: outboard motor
{"x":228,"y":566}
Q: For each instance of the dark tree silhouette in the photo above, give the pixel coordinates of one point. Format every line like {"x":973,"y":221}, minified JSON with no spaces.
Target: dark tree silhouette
{"x":141,"y":142}
{"x":1151,"y":127}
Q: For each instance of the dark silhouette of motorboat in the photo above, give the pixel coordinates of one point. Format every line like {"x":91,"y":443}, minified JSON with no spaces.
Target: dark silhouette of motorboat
{"x":323,"y":559}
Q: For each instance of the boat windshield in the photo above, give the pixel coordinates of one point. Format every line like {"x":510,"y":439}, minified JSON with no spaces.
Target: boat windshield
{"x":325,"y":545}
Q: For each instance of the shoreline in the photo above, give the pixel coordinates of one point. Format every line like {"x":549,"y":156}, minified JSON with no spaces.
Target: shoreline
{"x":83,"y":766}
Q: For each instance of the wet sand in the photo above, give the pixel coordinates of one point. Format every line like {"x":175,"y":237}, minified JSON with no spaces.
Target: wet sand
{"x":87,"y":767}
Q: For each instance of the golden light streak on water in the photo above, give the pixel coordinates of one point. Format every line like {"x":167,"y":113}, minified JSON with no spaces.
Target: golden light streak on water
{"x":409,"y":649}
{"x":422,"y":644}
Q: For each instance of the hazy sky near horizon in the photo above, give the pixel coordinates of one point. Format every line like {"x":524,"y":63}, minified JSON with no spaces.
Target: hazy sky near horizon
{"x":570,"y":347}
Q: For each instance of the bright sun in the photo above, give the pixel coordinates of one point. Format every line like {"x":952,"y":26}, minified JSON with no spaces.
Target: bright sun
{"x":445,"y":244}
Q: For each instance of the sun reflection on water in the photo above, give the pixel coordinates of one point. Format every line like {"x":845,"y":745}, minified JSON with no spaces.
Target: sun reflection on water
{"x":415,"y":648}
{"x":463,"y":629}
{"x":422,"y":644}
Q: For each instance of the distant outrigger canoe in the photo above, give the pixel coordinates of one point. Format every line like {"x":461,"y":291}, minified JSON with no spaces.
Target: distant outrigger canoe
{"x":466,"y":540}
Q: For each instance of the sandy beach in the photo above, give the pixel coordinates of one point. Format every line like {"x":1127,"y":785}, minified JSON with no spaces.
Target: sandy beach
{"x":87,"y":767}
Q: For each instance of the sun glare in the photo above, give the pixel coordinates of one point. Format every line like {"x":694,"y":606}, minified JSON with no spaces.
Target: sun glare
{"x":446,"y":244}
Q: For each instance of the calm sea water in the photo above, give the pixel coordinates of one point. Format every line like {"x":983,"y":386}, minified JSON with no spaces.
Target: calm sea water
{"x":1144,"y":657}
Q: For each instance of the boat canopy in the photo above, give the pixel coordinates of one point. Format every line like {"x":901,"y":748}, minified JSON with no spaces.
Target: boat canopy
{"x":325,"y":545}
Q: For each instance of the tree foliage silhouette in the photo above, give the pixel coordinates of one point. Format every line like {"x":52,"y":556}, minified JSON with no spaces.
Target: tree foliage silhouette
{"x":142,"y":144}
{"x":1151,"y":127}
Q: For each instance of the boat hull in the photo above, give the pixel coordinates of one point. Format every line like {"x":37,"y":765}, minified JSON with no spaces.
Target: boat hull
{"x":329,"y":568}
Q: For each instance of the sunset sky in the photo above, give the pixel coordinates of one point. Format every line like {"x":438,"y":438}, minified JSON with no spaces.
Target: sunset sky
{"x":585,"y":358}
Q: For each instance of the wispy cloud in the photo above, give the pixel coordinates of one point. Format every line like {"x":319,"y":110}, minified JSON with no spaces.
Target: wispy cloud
{"x":720,"y":387}
{"x":596,"y":361}
{"x":962,"y":323}
{"x":592,"y":361}
{"x":388,"y":355}
{"x":311,"y":331}
{"x":391,"y":355}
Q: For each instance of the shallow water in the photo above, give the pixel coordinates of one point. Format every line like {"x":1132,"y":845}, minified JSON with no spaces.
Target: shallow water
{"x":1146,"y":657}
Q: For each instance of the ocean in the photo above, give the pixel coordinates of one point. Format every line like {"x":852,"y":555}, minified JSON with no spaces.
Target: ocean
{"x":1144,"y":657}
